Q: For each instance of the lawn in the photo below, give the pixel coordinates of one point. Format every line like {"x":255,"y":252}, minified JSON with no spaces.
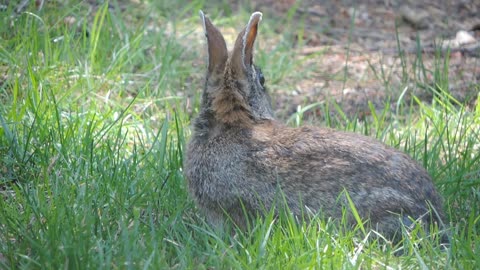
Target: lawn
{"x":95,"y":109}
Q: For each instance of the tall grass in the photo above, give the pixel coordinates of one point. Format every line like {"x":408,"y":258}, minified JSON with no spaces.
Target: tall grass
{"x":93,"y":122}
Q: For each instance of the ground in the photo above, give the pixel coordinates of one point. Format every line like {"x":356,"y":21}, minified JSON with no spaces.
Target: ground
{"x":358,"y":42}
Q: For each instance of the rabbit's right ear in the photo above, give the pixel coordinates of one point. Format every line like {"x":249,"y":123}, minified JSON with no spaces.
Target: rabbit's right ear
{"x":217,"y":48}
{"x":242,"y":54}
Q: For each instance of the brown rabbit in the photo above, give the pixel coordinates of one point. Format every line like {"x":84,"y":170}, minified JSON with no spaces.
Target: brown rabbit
{"x":239,"y":156}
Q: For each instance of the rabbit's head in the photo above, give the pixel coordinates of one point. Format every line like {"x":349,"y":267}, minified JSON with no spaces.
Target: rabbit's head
{"x":234,"y":94}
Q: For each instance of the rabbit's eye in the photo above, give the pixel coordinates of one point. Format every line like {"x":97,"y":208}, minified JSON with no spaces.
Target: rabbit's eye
{"x":261,"y":78}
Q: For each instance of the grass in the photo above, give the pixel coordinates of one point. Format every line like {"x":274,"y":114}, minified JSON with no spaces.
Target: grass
{"x":93,"y":121}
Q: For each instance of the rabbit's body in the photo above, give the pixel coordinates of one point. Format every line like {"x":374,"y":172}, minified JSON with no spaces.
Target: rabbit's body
{"x":239,"y":157}
{"x":236,"y":170}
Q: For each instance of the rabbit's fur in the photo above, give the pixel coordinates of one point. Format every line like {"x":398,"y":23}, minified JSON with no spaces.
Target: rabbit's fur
{"x":240,"y":157}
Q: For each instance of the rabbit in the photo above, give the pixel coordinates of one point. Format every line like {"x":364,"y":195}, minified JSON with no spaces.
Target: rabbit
{"x":239,"y":157}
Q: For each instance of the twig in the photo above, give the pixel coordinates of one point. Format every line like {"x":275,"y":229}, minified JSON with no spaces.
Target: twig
{"x":21,"y":6}
{"x":470,"y":50}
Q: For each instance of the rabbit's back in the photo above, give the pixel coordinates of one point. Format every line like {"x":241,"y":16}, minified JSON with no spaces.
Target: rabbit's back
{"x":320,"y":164}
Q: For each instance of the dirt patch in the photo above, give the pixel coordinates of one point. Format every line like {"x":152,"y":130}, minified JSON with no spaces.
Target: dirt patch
{"x":376,"y":51}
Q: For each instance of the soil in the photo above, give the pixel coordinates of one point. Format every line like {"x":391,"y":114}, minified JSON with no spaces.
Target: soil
{"x":369,"y":50}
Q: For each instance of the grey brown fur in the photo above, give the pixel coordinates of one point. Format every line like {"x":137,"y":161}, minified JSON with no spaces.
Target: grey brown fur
{"x":239,"y":156}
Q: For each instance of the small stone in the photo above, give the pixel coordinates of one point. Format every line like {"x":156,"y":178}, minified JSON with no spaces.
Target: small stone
{"x":69,"y":20}
{"x":461,"y":38}
{"x":348,"y":91}
{"x":418,"y":18}
{"x":464,"y":37}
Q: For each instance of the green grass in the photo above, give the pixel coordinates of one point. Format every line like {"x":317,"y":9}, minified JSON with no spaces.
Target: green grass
{"x":92,"y":131}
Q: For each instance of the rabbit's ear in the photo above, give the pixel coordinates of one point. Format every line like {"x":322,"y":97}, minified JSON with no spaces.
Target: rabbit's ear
{"x":217,"y":48}
{"x":242,"y":55}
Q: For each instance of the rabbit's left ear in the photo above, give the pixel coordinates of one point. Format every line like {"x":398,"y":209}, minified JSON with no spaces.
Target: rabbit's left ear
{"x":217,"y":48}
{"x":242,"y":55}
